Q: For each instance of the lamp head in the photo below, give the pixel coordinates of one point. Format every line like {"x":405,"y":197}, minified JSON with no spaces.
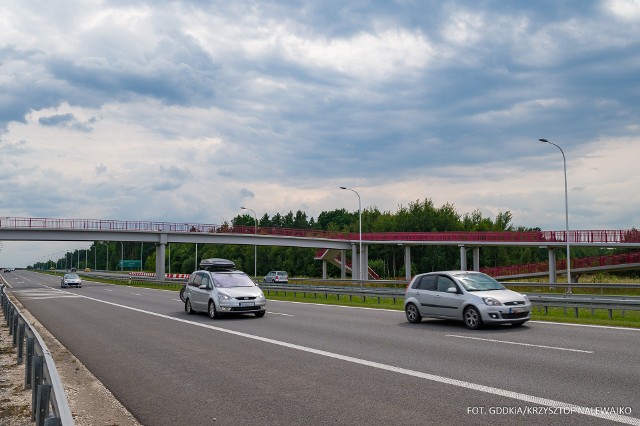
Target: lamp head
{"x":543,"y":140}
{"x":343,"y":187}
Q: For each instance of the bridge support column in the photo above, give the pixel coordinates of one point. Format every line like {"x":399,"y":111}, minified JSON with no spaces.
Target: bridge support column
{"x":324,"y":269}
{"x":553,"y":275}
{"x":476,"y":259}
{"x":463,"y":258}
{"x":343,"y":264}
{"x":407,"y":262}
{"x":355,"y":274}
{"x":365,"y":262}
{"x":160,"y":261}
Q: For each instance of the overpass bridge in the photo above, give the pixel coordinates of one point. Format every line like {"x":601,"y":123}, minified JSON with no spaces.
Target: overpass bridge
{"x":162,"y":233}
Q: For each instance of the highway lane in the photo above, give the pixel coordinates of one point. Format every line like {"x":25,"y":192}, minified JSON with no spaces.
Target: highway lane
{"x":167,"y":367}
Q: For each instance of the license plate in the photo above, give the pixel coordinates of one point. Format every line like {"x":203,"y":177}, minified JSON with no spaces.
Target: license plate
{"x":243,"y":304}
{"x":517,"y":310}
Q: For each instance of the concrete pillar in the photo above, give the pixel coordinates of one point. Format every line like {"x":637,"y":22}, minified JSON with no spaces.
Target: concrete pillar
{"x":324,"y":269}
{"x":365,"y":262}
{"x":407,"y":262}
{"x":476,"y":259}
{"x":354,"y":262}
{"x":160,"y":261}
{"x":463,"y":258}
{"x":553,"y":275}
{"x":343,"y":264}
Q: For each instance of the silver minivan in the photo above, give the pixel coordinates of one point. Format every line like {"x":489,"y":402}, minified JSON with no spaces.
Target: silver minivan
{"x":220,"y":292}
{"x":472,"y":297}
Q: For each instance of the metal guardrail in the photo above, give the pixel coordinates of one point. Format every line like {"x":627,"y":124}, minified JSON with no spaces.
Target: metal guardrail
{"x":379,"y":290}
{"x":565,"y":301}
{"x":49,"y":405}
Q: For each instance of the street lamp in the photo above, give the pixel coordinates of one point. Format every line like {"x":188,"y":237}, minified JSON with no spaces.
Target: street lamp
{"x":106,"y":268}
{"x":566,"y":212}
{"x":255,"y":247}
{"x":360,"y":271}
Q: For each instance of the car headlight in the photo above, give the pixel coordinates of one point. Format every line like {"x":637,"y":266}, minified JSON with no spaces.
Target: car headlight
{"x":526,"y":299}
{"x":491,"y":301}
{"x":224,"y":296}
{"x":260,"y":296}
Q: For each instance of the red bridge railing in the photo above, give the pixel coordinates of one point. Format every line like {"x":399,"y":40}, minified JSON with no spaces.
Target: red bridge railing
{"x":593,"y":236}
{"x":576,"y":263}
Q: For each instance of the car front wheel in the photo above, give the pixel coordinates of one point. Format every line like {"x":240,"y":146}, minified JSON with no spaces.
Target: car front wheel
{"x":213,"y":313}
{"x":472,"y":318}
{"x":413,"y":315}
{"x":260,"y":314}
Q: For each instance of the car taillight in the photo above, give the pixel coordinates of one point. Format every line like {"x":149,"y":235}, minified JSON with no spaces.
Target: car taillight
{"x":406,"y":289}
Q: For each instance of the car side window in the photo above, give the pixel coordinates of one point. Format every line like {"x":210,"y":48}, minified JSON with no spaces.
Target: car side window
{"x":445,"y":283}
{"x":427,"y":282}
{"x":197,"y":280}
{"x":205,"y":281}
{"x":192,"y":278}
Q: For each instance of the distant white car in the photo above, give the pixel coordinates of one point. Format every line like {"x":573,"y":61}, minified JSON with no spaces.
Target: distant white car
{"x":276,"y":277}
{"x":69,"y":280}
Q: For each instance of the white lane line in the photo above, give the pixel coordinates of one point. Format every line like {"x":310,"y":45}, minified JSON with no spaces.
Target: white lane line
{"x":279,"y":313}
{"x":136,"y":294}
{"x":569,"y":324}
{"x":107,"y":289}
{"x":573,"y":408}
{"x":519,"y":344}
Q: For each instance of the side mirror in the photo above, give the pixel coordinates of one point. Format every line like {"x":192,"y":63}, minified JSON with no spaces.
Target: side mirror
{"x":452,"y":290}
{"x":204,"y":287}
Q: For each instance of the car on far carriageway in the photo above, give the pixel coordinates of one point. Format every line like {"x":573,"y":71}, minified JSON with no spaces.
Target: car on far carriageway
{"x":276,"y":277}
{"x":472,"y":297}
{"x":219,"y":289}
{"x":69,"y":280}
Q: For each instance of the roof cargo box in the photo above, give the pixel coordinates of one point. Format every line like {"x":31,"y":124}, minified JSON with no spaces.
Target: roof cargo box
{"x":215,"y":264}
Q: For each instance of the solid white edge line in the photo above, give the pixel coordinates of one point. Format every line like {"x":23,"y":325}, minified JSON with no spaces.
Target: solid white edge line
{"x":445,"y":380}
{"x":520,"y":344}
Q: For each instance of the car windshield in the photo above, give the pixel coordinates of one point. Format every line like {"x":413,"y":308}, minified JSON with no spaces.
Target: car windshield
{"x":478,"y":282}
{"x":232,"y":280}
{"x":71,"y":276}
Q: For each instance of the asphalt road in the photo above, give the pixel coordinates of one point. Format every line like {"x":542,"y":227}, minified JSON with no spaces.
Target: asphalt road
{"x":318,"y":364}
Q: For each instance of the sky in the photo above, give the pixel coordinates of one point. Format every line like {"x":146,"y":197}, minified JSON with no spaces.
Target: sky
{"x":184,"y":111}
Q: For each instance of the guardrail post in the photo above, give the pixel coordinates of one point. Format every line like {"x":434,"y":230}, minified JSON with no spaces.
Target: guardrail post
{"x":9,"y":317}
{"x":42,"y":406}
{"x":31,"y":344}
{"x":52,"y":421}
{"x":14,"y":327}
{"x":37,"y":370}
{"x":21,"y":327}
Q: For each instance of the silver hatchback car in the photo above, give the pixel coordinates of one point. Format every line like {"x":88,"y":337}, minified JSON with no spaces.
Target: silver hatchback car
{"x":69,"y":280}
{"x":472,"y":297}
{"x":223,"y":292}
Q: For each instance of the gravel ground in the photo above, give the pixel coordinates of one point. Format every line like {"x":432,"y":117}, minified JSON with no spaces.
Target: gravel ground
{"x":91,"y":403}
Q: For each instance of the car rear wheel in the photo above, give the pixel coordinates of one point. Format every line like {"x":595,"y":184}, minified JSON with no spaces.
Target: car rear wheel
{"x":472,"y":318}
{"x":188,"y":308}
{"x":182,"y":294}
{"x":413,"y":314}
{"x":213,"y":313}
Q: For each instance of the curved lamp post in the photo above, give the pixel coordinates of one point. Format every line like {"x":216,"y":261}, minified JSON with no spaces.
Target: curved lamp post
{"x":360,"y":271}
{"x":255,"y":247}
{"x":566,"y":212}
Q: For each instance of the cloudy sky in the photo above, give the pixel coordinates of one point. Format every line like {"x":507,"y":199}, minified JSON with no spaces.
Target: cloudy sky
{"x":186,"y":110}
